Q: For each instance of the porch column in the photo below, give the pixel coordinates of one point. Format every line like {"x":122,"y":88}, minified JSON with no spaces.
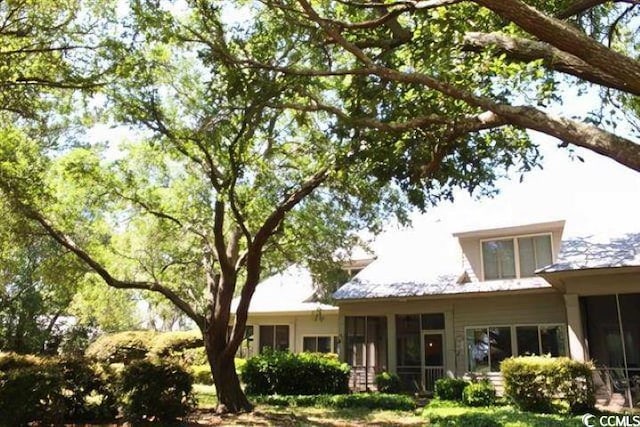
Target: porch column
{"x":574,"y":324}
{"x":391,"y":344}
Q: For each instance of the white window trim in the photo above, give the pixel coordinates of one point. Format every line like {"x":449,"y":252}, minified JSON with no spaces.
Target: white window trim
{"x":514,"y":338}
{"x":516,"y":250}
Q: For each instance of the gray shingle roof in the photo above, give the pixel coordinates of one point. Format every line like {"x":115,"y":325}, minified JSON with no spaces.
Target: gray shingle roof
{"x":601,"y":251}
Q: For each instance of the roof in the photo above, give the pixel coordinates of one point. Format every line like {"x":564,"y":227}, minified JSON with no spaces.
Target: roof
{"x":414,"y":275}
{"x":368,"y":284}
{"x":289,"y":291}
{"x":512,"y":229}
{"x":597,"y":251}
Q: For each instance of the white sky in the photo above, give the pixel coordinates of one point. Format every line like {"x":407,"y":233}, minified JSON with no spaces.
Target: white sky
{"x":598,"y":196}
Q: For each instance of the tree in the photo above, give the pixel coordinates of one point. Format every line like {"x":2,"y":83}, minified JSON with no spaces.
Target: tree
{"x":225,"y":182}
{"x":426,"y":65}
{"x":272,"y":140}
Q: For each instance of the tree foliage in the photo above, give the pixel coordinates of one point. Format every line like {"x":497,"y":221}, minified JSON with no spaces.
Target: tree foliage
{"x":272,"y":139}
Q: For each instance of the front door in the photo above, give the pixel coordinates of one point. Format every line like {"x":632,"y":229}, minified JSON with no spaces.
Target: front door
{"x":433,"y":358}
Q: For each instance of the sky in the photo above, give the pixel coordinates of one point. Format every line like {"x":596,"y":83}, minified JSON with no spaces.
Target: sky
{"x":594,"y":197}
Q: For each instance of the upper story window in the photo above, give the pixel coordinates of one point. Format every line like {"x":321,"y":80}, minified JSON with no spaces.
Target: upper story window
{"x":515,"y":256}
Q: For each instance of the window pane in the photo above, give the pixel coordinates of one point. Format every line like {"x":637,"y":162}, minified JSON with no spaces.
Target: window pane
{"x":408,"y":339}
{"x":543,"y":251}
{"x":552,"y":339}
{"x":266,"y":337}
{"x":478,"y":349}
{"x":500,"y":346}
{"x":324,"y":345}
{"x":309,"y":344}
{"x":498,"y":259}
{"x":433,"y":321}
{"x":527,"y":340}
{"x":282,"y":337}
{"x":527,"y":257}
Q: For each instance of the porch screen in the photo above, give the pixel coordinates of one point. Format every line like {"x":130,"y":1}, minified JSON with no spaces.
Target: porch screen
{"x":366,"y":347}
{"x":603,"y":331}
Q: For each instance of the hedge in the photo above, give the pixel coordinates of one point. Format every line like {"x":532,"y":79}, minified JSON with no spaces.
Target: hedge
{"x":396,"y":402}
{"x":121,"y":347}
{"x":479,"y":394}
{"x":450,"y":388}
{"x":387,"y":382}
{"x":168,"y":343}
{"x":52,"y":390}
{"x":278,"y":372}
{"x":155,"y":391}
{"x":533,"y":382}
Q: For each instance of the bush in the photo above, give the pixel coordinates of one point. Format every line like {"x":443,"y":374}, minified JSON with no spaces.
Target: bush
{"x":10,"y":360}
{"x":532,"y":383}
{"x":155,"y":391}
{"x":277,"y":372}
{"x":201,"y":374}
{"x":122,"y":347}
{"x":88,"y":394}
{"x":194,"y":356}
{"x":479,"y":394}
{"x":50,"y":389}
{"x":450,"y":388}
{"x":341,"y":401}
{"x":387,"y":383}
{"x":31,"y":393}
{"x":168,"y":343}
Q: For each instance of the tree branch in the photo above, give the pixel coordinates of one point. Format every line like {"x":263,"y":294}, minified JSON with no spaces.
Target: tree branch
{"x":569,"y":39}
{"x":522,"y":49}
{"x":99,"y":269}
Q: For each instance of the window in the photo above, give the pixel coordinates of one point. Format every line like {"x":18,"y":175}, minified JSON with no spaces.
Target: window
{"x":487,"y":347}
{"x":320,"y":344}
{"x":274,"y":336}
{"x":515,"y":257}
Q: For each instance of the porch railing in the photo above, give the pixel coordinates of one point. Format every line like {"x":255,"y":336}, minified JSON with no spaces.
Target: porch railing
{"x":431,"y":375}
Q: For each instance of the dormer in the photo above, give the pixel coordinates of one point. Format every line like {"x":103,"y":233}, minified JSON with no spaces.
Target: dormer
{"x":513,"y":252}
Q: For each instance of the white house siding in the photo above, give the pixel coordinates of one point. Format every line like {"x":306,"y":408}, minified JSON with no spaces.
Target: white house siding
{"x":541,"y":307}
{"x":300,"y":325}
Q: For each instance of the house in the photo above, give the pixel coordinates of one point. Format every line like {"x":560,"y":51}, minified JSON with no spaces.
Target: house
{"x":285,"y":315}
{"x":521,"y":290}
{"x":517,"y":290}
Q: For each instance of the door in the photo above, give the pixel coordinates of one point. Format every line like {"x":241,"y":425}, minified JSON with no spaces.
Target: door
{"x":433,"y":358}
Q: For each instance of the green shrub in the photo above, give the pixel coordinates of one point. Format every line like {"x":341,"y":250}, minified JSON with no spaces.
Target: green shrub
{"x":450,"y":388}
{"x":479,"y":394}
{"x":10,"y":360}
{"x":31,"y":393}
{"x":201,"y":374}
{"x":387,"y":383}
{"x":532,"y":383}
{"x":155,"y":391}
{"x":122,"y":347}
{"x":277,"y":372}
{"x":394,"y":402}
{"x":167,"y":343}
{"x":88,"y":391}
{"x":194,"y":356}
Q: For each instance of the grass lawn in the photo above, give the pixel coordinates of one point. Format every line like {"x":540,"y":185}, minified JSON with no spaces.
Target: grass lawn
{"x":455,"y":414}
{"x":441,"y":414}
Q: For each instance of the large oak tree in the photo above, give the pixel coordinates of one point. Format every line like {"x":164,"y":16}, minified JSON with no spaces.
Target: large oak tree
{"x":271,"y":139}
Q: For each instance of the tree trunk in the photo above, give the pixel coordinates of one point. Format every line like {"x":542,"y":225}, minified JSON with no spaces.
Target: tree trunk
{"x":231,"y":397}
